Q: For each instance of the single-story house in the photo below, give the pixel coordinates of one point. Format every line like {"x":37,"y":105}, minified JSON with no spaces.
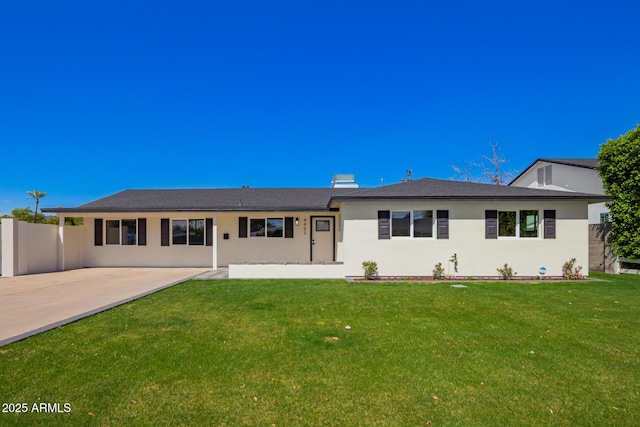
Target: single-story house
{"x":328,"y":232}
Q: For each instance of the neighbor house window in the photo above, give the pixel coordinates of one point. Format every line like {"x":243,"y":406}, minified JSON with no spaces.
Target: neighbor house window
{"x":121,"y":232}
{"x":187,"y":232}
{"x":269,"y":227}
{"x":604,"y":217}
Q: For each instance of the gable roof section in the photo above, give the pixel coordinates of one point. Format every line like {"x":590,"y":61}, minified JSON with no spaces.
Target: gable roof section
{"x":437,"y":189}
{"x":576,"y":162}
{"x":222,"y":199}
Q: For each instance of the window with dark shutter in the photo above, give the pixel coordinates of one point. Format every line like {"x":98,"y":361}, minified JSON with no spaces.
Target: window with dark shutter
{"x":142,"y":231}
{"x":242,"y":226}
{"x":97,"y":231}
{"x":491,"y":224}
{"x":549,"y":224}
{"x":383,"y":224}
{"x":209,"y":231}
{"x":443,"y":224}
{"x":164,"y":232}
{"x":288,"y":227}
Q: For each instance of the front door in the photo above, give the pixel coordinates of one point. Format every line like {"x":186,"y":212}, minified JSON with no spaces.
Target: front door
{"x":322,"y":238}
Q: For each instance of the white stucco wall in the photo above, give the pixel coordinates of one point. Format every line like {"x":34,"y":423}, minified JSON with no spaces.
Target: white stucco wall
{"x":74,"y":247}
{"x":224,"y":251}
{"x":28,"y":248}
{"x":477,"y":256}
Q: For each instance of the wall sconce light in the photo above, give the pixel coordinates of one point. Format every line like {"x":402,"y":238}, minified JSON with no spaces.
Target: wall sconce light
{"x":297,"y":221}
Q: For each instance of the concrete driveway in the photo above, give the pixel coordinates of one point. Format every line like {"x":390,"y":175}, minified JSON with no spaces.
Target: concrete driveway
{"x":38,"y":302}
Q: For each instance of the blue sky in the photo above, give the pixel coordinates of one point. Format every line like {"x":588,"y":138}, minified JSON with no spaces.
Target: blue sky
{"x":101,"y":96}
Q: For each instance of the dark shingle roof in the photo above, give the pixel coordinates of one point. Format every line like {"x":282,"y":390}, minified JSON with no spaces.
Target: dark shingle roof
{"x":309,"y":199}
{"x":577,"y":162}
{"x":428,"y":188}
{"x":221,"y":199}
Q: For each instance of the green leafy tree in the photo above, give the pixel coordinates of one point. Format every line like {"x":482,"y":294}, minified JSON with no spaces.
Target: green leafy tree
{"x":21,"y":214}
{"x":620,"y":173}
{"x":36,"y":195}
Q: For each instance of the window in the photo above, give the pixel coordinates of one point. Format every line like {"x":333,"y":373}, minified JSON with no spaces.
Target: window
{"x":179,"y":231}
{"x":523,"y":223}
{"x":187,"y":232}
{"x":323,"y":225}
{"x":422,"y":223}
{"x":121,"y":232}
{"x":400,"y":223}
{"x":196,"y":231}
{"x":604,"y":217}
{"x":275,"y":227}
{"x":113,"y":231}
{"x":129,"y":236}
{"x":412,"y":223}
{"x":506,"y":224}
{"x":269,"y":227}
{"x":529,"y":223}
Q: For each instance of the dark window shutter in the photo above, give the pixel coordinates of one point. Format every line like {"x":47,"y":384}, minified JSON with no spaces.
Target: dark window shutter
{"x":443,"y":224}
{"x":242,"y":226}
{"x":490,"y":224}
{"x":164,"y":232}
{"x":98,"y":231}
{"x":209,"y":231}
{"x":550,"y":224}
{"x":142,"y":231}
{"x":384,"y":229}
{"x":288,"y":227}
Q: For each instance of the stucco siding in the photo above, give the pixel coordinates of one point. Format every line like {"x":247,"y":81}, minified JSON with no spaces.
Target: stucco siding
{"x":477,"y":256}
{"x":222,"y":253}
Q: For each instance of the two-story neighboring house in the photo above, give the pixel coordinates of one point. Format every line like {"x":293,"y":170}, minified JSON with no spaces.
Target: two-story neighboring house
{"x":576,"y":175}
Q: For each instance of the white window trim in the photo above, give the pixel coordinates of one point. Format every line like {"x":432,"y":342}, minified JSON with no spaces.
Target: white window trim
{"x":517,"y":236}
{"x":411,"y":227}
{"x":204,"y":220}
{"x":120,"y":231}
{"x":266,"y":227}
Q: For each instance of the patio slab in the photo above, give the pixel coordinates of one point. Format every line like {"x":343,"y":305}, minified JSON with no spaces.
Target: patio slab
{"x":35,"y":303}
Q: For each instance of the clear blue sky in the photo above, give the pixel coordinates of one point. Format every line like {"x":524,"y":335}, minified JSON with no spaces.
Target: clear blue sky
{"x":101,"y":96}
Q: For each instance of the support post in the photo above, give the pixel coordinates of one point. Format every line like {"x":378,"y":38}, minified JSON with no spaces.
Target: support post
{"x":61,"y":243}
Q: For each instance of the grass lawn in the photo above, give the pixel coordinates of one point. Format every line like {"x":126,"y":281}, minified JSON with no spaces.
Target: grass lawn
{"x":276,"y":352}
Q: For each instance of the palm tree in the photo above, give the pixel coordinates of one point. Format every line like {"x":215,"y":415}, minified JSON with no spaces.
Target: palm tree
{"x":37,"y":195}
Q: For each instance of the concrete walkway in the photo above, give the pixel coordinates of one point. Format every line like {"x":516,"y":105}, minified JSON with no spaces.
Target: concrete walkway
{"x":38,"y":302}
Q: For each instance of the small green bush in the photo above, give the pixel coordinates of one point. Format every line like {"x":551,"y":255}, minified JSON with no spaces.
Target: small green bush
{"x":438,"y":271}
{"x":571,"y":271}
{"x":506,"y":272}
{"x":370,"y":269}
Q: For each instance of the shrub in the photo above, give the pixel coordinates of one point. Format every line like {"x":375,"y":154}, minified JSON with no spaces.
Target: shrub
{"x":571,"y":271}
{"x":370,"y":269}
{"x":438,"y":271}
{"x":506,"y":272}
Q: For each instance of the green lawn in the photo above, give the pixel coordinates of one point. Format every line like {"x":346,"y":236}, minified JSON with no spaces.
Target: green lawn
{"x":276,"y":352}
